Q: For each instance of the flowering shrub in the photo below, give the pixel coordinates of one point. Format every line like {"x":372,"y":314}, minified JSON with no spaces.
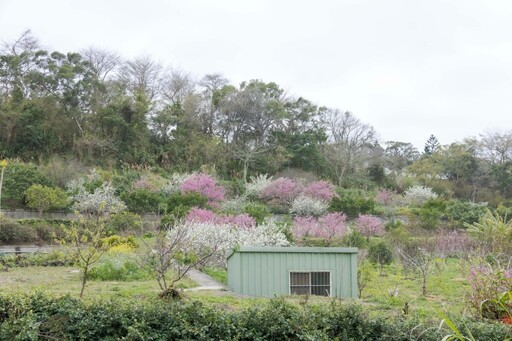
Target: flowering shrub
{"x":370,"y":226}
{"x":308,"y":206}
{"x":327,"y":227}
{"x":101,"y":202}
{"x":385,"y":197}
{"x":220,"y":239}
{"x":453,"y":243}
{"x":200,"y":215}
{"x":256,"y":185}
{"x":235,"y":205}
{"x":282,"y":190}
{"x":203,"y":184}
{"x":487,"y":285}
{"x":174,"y":183}
{"x":418,"y":195}
{"x":321,"y":190}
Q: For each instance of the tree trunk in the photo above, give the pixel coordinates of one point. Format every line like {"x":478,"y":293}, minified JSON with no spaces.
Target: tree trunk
{"x":84,"y":280}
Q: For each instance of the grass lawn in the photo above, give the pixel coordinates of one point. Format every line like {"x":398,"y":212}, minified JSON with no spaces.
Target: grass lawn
{"x":390,"y":293}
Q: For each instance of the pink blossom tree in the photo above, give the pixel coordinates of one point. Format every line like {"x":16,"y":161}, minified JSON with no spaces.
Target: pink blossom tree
{"x":199,"y":215}
{"x":370,"y":226}
{"x":385,"y":197}
{"x":327,"y":227}
{"x":282,"y":190}
{"x":321,"y":190}
{"x":204,"y":184}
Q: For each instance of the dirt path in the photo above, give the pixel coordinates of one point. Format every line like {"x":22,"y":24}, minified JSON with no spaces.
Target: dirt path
{"x":204,"y":281}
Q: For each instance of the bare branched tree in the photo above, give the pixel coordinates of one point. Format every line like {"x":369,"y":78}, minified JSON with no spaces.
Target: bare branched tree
{"x":104,"y":62}
{"x":496,"y":146}
{"x":350,"y":142}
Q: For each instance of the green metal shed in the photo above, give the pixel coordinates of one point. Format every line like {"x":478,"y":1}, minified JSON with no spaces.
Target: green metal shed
{"x":269,"y":271}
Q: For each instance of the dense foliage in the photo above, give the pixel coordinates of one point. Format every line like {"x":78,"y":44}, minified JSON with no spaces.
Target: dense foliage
{"x":40,"y":317}
{"x":92,"y":108}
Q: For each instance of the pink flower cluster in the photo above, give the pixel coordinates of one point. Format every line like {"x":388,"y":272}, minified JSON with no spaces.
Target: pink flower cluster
{"x":329,"y":226}
{"x":370,"y":226}
{"x":321,"y":190}
{"x":200,"y":215}
{"x":285,"y":190}
{"x":204,"y":184}
{"x":453,"y":243}
{"x":385,"y":197}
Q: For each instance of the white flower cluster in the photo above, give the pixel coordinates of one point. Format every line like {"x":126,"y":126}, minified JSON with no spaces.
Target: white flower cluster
{"x":174,"y":183}
{"x":256,"y":185}
{"x":234,"y":206}
{"x":216,"y":241}
{"x":418,"y":195}
{"x":305,"y":206}
{"x":101,"y":202}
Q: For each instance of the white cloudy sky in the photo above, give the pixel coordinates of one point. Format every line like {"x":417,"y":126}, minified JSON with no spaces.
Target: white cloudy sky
{"x":410,"y":68}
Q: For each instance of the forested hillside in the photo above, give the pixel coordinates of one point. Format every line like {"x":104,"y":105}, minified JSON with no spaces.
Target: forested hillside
{"x":94,"y":108}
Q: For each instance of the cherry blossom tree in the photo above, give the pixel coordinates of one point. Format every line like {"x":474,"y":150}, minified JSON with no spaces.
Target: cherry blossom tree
{"x":204,"y":184}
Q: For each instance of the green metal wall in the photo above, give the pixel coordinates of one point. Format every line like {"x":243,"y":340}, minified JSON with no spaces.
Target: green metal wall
{"x":265,"y":271}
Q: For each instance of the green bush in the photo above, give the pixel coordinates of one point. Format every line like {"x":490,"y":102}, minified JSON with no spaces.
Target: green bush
{"x":352,"y":203}
{"x":55,"y":258}
{"x":428,"y":216}
{"x":65,"y":318}
{"x":461,"y":212}
{"x":11,"y":232}
{"x":18,"y":177}
{"x":112,"y":270}
{"x":258,"y":211}
{"x":142,"y":201}
{"x":354,"y":239}
{"x":380,"y":253}
{"x":123,"y":222}
{"x":179,"y":204}
{"x":44,"y":198}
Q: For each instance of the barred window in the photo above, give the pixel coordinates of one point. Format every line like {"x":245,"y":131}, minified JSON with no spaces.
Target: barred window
{"x":310,"y":283}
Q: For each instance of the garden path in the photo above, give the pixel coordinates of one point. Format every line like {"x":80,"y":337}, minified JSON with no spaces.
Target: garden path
{"x":204,"y":281}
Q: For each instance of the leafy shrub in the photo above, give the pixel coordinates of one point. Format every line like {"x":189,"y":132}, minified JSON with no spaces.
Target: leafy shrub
{"x":44,"y":198}
{"x":54,"y":258}
{"x":308,"y":206}
{"x":116,"y":240}
{"x":123,"y":222}
{"x":354,"y":239}
{"x":429,"y":214}
{"x":11,"y":232}
{"x":111,"y":270}
{"x":142,"y":201}
{"x":461,"y":212}
{"x":487,"y":284}
{"x":65,"y":318}
{"x":352,"y":204}
{"x":380,"y":253}
{"x":18,"y":177}
{"x":258,"y":211}
{"x":179,"y":204}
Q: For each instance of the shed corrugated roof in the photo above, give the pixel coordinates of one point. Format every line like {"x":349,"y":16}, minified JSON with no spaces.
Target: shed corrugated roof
{"x":294,"y":249}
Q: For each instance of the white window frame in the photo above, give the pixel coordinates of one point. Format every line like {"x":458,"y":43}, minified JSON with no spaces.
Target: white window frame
{"x":310,"y":272}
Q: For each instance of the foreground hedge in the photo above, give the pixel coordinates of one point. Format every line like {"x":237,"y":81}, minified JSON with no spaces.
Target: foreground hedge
{"x":39,"y":317}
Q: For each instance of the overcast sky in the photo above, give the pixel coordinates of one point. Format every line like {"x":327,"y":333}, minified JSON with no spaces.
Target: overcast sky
{"x":409,"y":68}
